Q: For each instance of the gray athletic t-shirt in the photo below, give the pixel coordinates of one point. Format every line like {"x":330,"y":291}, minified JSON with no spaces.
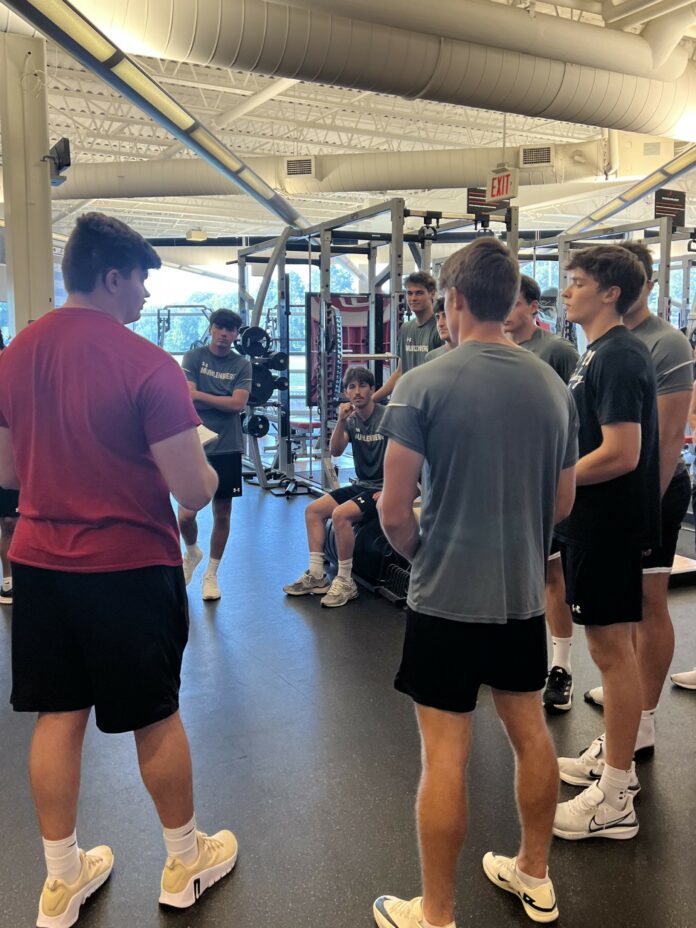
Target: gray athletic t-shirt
{"x":557,"y":352}
{"x":415,"y":341}
{"x":369,"y":446}
{"x":220,"y":377}
{"x":672,"y":357}
{"x":437,"y":353}
{"x":487,"y":517}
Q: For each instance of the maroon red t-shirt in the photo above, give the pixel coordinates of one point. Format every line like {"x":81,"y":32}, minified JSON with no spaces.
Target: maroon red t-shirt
{"x":84,"y":398}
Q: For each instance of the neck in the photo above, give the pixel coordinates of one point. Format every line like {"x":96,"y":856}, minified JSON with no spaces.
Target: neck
{"x":219,"y":352}
{"x":423,"y":315}
{"x":525,"y":333}
{"x":601,"y":325}
{"x":366,"y":411}
{"x":476,"y":331}
{"x":640,"y":314}
{"x":89,"y":301}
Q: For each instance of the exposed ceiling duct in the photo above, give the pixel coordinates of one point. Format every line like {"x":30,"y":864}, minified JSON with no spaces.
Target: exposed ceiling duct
{"x":376,"y":171}
{"x":281,"y":39}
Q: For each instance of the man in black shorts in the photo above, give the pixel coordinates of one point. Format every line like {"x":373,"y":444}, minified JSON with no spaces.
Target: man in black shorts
{"x":220,"y":383}
{"x":98,"y":428}
{"x":357,"y":424}
{"x":654,"y":640}
{"x":476,"y":592}
{"x":522,"y":328}
{"x":9,"y":501}
{"x":616,"y":517}
{"x":417,"y":336}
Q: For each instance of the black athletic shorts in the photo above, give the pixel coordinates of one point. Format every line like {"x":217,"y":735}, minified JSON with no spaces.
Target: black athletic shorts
{"x":228,"y":467}
{"x":9,"y":500}
{"x":675,"y":502}
{"x":445,"y":662}
{"x":362,"y":496}
{"x":603,"y":586}
{"x":113,"y":640}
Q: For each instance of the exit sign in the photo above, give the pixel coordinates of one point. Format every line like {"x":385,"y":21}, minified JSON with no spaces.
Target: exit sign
{"x":502,"y":185}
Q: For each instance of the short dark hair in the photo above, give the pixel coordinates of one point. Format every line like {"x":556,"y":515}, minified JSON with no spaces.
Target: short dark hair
{"x":360,"y":375}
{"x":99,"y":244}
{"x":439,"y":305}
{"x":529,"y":289}
{"x":423,"y":279}
{"x":612,"y":266}
{"x":642,"y":252}
{"x":487,"y":274}
{"x":225,"y":319}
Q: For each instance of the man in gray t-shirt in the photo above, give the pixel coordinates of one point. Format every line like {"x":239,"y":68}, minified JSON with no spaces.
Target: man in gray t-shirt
{"x":418,"y":336}
{"x":220,"y":382}
{"x":476,"y":597}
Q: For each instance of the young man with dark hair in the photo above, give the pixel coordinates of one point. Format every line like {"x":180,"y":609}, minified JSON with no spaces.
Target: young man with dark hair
{"x":616,"y":517}
{"x":97,"y":427}
{"x":476,"y":594}
{"x":417,"y":336}
{"x":673,"y":360}
{"x":357,"y":425}
{"x":521,"y":327}
{"x":442,"y":331}
{"x":220,"y":383}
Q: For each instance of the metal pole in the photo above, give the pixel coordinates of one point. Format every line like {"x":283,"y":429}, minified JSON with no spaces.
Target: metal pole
{"x":328,"y":478}
{"x":372,"y":309}
{"x":396,"y":269}
{"x":663,"y":308}
{"x":513,"y":236}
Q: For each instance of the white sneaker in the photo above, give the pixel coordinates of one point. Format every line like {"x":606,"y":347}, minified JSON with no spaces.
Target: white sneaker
{"x":588,"y":768}
{"x":539,"y":903}
{"x":307,"y":584}
{"x":59,"y":906}
{"x":191,"y":561}
{"x":595,"y":696}
{"x":589,"y":815}
{"x":392,"y":912}
{"x":340,"y":592}
{"x":211,"y":590}
{"x":687,"y":679}
{"x":183,"y":884}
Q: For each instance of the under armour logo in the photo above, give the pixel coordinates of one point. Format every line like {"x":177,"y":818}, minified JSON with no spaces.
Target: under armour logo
{"x":575,"y":609}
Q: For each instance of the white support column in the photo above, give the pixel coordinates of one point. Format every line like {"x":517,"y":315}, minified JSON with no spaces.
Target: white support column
{"x":26,"y":178}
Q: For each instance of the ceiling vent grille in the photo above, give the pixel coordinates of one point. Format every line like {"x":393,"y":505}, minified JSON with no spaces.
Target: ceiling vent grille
{"x":536,"y":156}
{"x":299,"y":167}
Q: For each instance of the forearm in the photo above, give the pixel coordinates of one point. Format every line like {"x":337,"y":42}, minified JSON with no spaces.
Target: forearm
{"x":227,"y":404}
{"x":388,"y":387}
{"x":600,"y":466}
{"x":403,"y":534}
{"x":338,"y":441}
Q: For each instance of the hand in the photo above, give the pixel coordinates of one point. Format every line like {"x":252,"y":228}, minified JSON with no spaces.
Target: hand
{"x":345,"y":410}
{"x":376,"y":496}
{"x":192,"y":387}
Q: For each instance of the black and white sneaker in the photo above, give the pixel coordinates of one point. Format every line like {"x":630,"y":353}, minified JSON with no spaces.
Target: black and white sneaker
{"x":558,"y":693}
{"x":6,"y":597}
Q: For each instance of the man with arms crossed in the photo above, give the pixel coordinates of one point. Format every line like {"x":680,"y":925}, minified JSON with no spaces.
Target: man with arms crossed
{"x":220,"y":383}
{"x":654,"y":635}
{"x":358,"y":423}
{"x":97,"y":427}
{"x":521,"y":326}
{"x":417,"y":336}
{"x":616,"y":517}
{"x":476,"y":594}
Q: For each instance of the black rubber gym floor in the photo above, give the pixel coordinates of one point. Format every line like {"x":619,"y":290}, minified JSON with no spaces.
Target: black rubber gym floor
{"x":303,"y":748}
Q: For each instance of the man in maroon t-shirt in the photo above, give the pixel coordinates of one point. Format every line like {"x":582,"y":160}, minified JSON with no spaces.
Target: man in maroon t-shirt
{"x":97,"y":428}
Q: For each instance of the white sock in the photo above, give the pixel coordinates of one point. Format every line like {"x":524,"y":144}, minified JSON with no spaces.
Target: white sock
{"x":426,"y":924}
{"x":561,"y":653}
{"x":532,"y":882}
{"x":182,"y":843}
{"x":316,"y":564}
{"x":212,"y":568}
{"x":345,"y":569}
{"x":192,"y":550}
{"x":63,"y":859}
{"x":646,"y":729}
{"x":6,"y":584}
{"x":614,"y":784}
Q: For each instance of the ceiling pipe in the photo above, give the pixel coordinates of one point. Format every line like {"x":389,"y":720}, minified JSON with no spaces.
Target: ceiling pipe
{"x":635,"y":12}
{"x":665,"y":33}
{"x":515,"y":30}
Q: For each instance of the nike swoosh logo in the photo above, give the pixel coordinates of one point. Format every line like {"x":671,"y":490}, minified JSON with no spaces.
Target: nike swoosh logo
{"x":379,"y":904}
{"x":539,"y":908}
{"x":595,"y":825}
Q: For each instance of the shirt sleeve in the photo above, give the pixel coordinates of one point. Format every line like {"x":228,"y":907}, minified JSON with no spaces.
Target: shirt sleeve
{"x":401,"y":346}
{"x":565,"y":362}
{"x":674,"y":364}
{"x":165,"y":403}
{"x":621,"y":382}
{"x":189,"y":366}
{"x":244,"y":380}
{"x":403,"y":419}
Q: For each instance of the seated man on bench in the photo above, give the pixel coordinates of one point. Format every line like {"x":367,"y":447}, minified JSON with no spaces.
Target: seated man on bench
{"x":358,"y":423}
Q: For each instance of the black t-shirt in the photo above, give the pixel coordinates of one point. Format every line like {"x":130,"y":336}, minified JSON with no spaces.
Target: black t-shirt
{"x":615,"y":382}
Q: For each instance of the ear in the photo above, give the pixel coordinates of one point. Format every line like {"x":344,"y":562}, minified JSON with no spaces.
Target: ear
{"x":111,"y":280}
{"x":611,"y":294}
{"x":650,"y":284}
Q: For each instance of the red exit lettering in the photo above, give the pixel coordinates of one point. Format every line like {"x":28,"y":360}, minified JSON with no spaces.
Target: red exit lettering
{"x":500,"y":186}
